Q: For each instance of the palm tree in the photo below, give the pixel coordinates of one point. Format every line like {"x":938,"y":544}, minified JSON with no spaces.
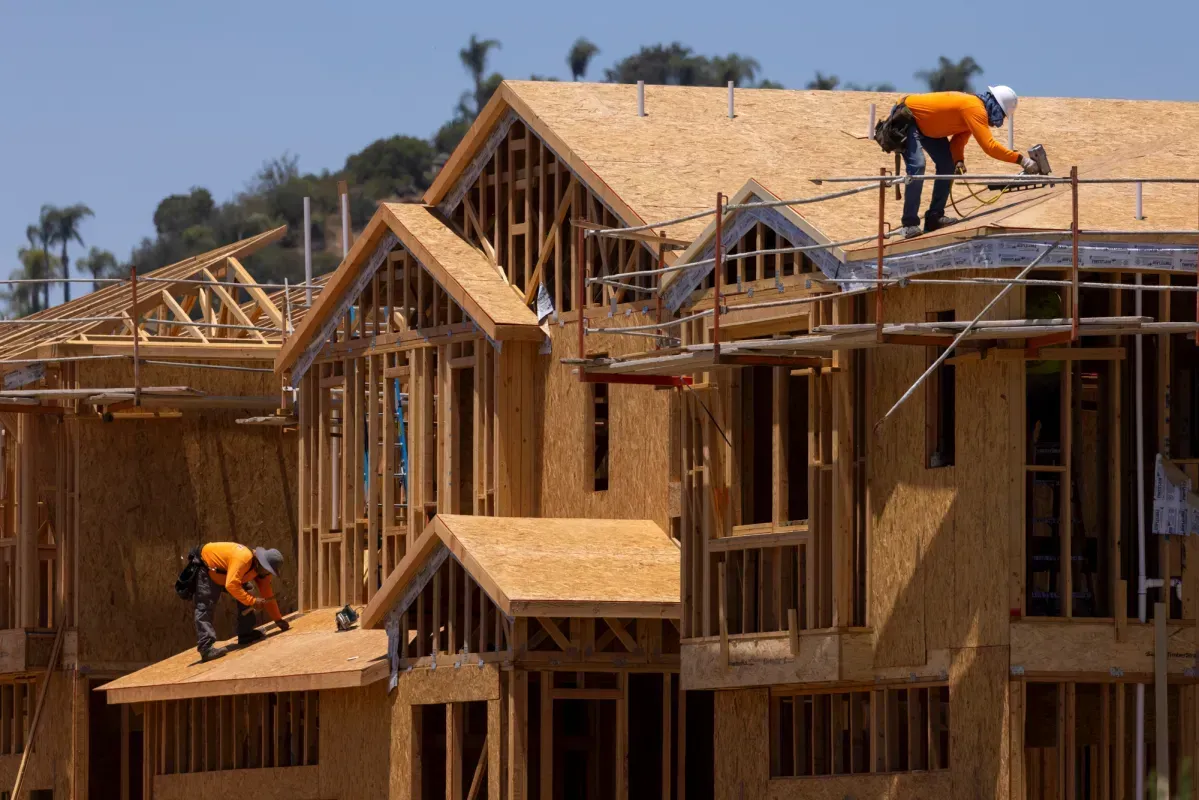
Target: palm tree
{"x":735,"y":68}
{"x":101,"y":264}
{"x":36,"y":264}
{"x":825,"y":82}
{"x":951,"y":77}
{"x":579,"y":58}
{"x":40,"y":237}
{"x":64,"y":229}
{"x":474,"y":58}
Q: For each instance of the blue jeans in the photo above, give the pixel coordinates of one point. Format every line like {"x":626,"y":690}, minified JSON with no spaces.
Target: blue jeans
{"x":913,"y":159}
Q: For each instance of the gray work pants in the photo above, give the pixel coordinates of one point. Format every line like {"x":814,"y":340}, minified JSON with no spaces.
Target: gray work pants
{"x":206,"y":597}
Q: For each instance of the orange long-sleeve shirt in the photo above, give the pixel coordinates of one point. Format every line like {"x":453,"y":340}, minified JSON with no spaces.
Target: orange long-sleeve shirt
{"x":235,"y":564}
{"x":958,"y":116}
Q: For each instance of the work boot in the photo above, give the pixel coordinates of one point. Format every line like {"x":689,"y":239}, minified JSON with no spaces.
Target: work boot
{"x":910,"y":231}
{"x":931,"y":225}
{"x":251,"y":637}
{"x":212,"y":653}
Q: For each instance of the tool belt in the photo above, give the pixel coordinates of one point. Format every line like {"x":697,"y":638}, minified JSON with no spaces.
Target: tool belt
{"x":892,"y":133}
{"x":185,"y":584}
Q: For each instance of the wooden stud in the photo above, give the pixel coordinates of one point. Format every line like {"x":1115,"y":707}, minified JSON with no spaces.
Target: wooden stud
{"x":546,"y":736}
{"x":455,"y":742}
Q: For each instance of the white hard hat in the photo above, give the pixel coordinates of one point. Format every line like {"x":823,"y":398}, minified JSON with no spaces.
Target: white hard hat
{"x":1005,"y":97}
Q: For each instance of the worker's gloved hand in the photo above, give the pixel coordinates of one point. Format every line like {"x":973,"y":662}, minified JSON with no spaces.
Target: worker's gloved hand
{"x":1030,"y":166}
{"x":283,"y":625}
{"x":960,"y":168}
{"x":260,"y":602}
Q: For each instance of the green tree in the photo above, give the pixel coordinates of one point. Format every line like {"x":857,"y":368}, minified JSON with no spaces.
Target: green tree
{"x":178,"y":212}
{"x":824,"y":82}
{"x":949,"y":76}
{"x":474,"y":58}
{"x":579,"y":57}
{"x":735,"y":68}
{"x":37,"y":264}
{"x":400,"y":166}
{"x":672,"y":64}
{"x":64,"y":229}
{"x":99,"y":264}
{"x":40,"y":237}
{"x":870,"y":87}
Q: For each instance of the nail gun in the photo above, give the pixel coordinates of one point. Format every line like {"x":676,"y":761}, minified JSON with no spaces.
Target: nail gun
{"x":1037,"y":154}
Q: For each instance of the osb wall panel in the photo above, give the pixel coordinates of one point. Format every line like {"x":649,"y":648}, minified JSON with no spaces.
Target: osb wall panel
{"x":449,"y":684}
{"x":283,"y":783}
{"x":741,"y":743}
{"x":939,"y":536}
{"x":151,"y":490}
{"x":639,"y":424}
{"x":862,"y":787}
{"x":978,"y":722}
{"x":51,"y":761}
{"x":400,"y":749}
{"x":355,"y":742}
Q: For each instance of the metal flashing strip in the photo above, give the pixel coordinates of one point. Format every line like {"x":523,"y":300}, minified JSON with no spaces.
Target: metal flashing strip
{"x":318,"y":342}
{"x":471,"y":173}
{"x":1007,"y":253}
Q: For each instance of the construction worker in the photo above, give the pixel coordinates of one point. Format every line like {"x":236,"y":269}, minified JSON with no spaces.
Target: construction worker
{"x":230,"y":567}
{"x":943,"y":122}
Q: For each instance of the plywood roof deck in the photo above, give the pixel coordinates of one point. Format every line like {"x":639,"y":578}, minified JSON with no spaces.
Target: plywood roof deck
{"x":674,"y":160}
{"x":313,"y":654}
{"x":541,"y":567}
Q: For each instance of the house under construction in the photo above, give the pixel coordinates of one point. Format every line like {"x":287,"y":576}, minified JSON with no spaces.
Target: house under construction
{"x":121,"y":451}
{"x":656,"y":467}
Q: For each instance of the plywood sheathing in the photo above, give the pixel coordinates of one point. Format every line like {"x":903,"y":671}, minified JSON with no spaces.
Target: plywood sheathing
{"x":459,"y":268}
{"x":639,"y":433}
{"x":550,"y":567}
{"x":675,"y":159}
{"x":940,"y":536}
{"x":312,"y":655}
{"x":149,"y":491}
{"x":569,"y":567}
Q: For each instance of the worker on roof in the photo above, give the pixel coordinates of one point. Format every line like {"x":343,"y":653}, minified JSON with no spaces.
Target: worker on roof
{"x":231,"y":567}
{"x":942,"y":123}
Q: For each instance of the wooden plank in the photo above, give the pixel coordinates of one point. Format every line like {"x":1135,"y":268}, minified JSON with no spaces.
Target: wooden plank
{"x":261,"y":298}
{"x":667,"y":720}
{"x":454,"y":742}
{"x":546,"y":736}
{"x":622,"y":737}
{"x":1161,"y":694}
{"x":518,"y":734}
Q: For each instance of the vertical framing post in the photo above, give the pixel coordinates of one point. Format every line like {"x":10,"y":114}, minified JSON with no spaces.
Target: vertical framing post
{"x":870,"y":124}
{"x":717,"y":276}
{"x":308,"y":251}
{"x":137,"y":384}
{"x":1074,"y":255}
{"x":581,"y":292}
{"x":878,"y":288}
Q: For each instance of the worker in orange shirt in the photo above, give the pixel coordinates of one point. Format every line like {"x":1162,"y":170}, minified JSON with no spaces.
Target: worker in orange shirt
{"x":230,"y":567}
{"x":943,"y":123}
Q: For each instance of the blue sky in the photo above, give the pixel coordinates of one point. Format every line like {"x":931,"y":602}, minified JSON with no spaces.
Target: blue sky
{"x":118,"y":104}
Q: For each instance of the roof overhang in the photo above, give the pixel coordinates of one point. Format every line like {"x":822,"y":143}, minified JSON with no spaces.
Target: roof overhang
{"x":532,"y":567}
{"x":312,"y":655}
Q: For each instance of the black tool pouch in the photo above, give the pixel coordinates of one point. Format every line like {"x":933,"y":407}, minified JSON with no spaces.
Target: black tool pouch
{"x":185,"y":584}
{"x":892,"y":133}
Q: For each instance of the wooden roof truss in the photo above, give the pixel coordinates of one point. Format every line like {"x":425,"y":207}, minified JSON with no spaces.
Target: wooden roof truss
{"x":207,"y":300}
